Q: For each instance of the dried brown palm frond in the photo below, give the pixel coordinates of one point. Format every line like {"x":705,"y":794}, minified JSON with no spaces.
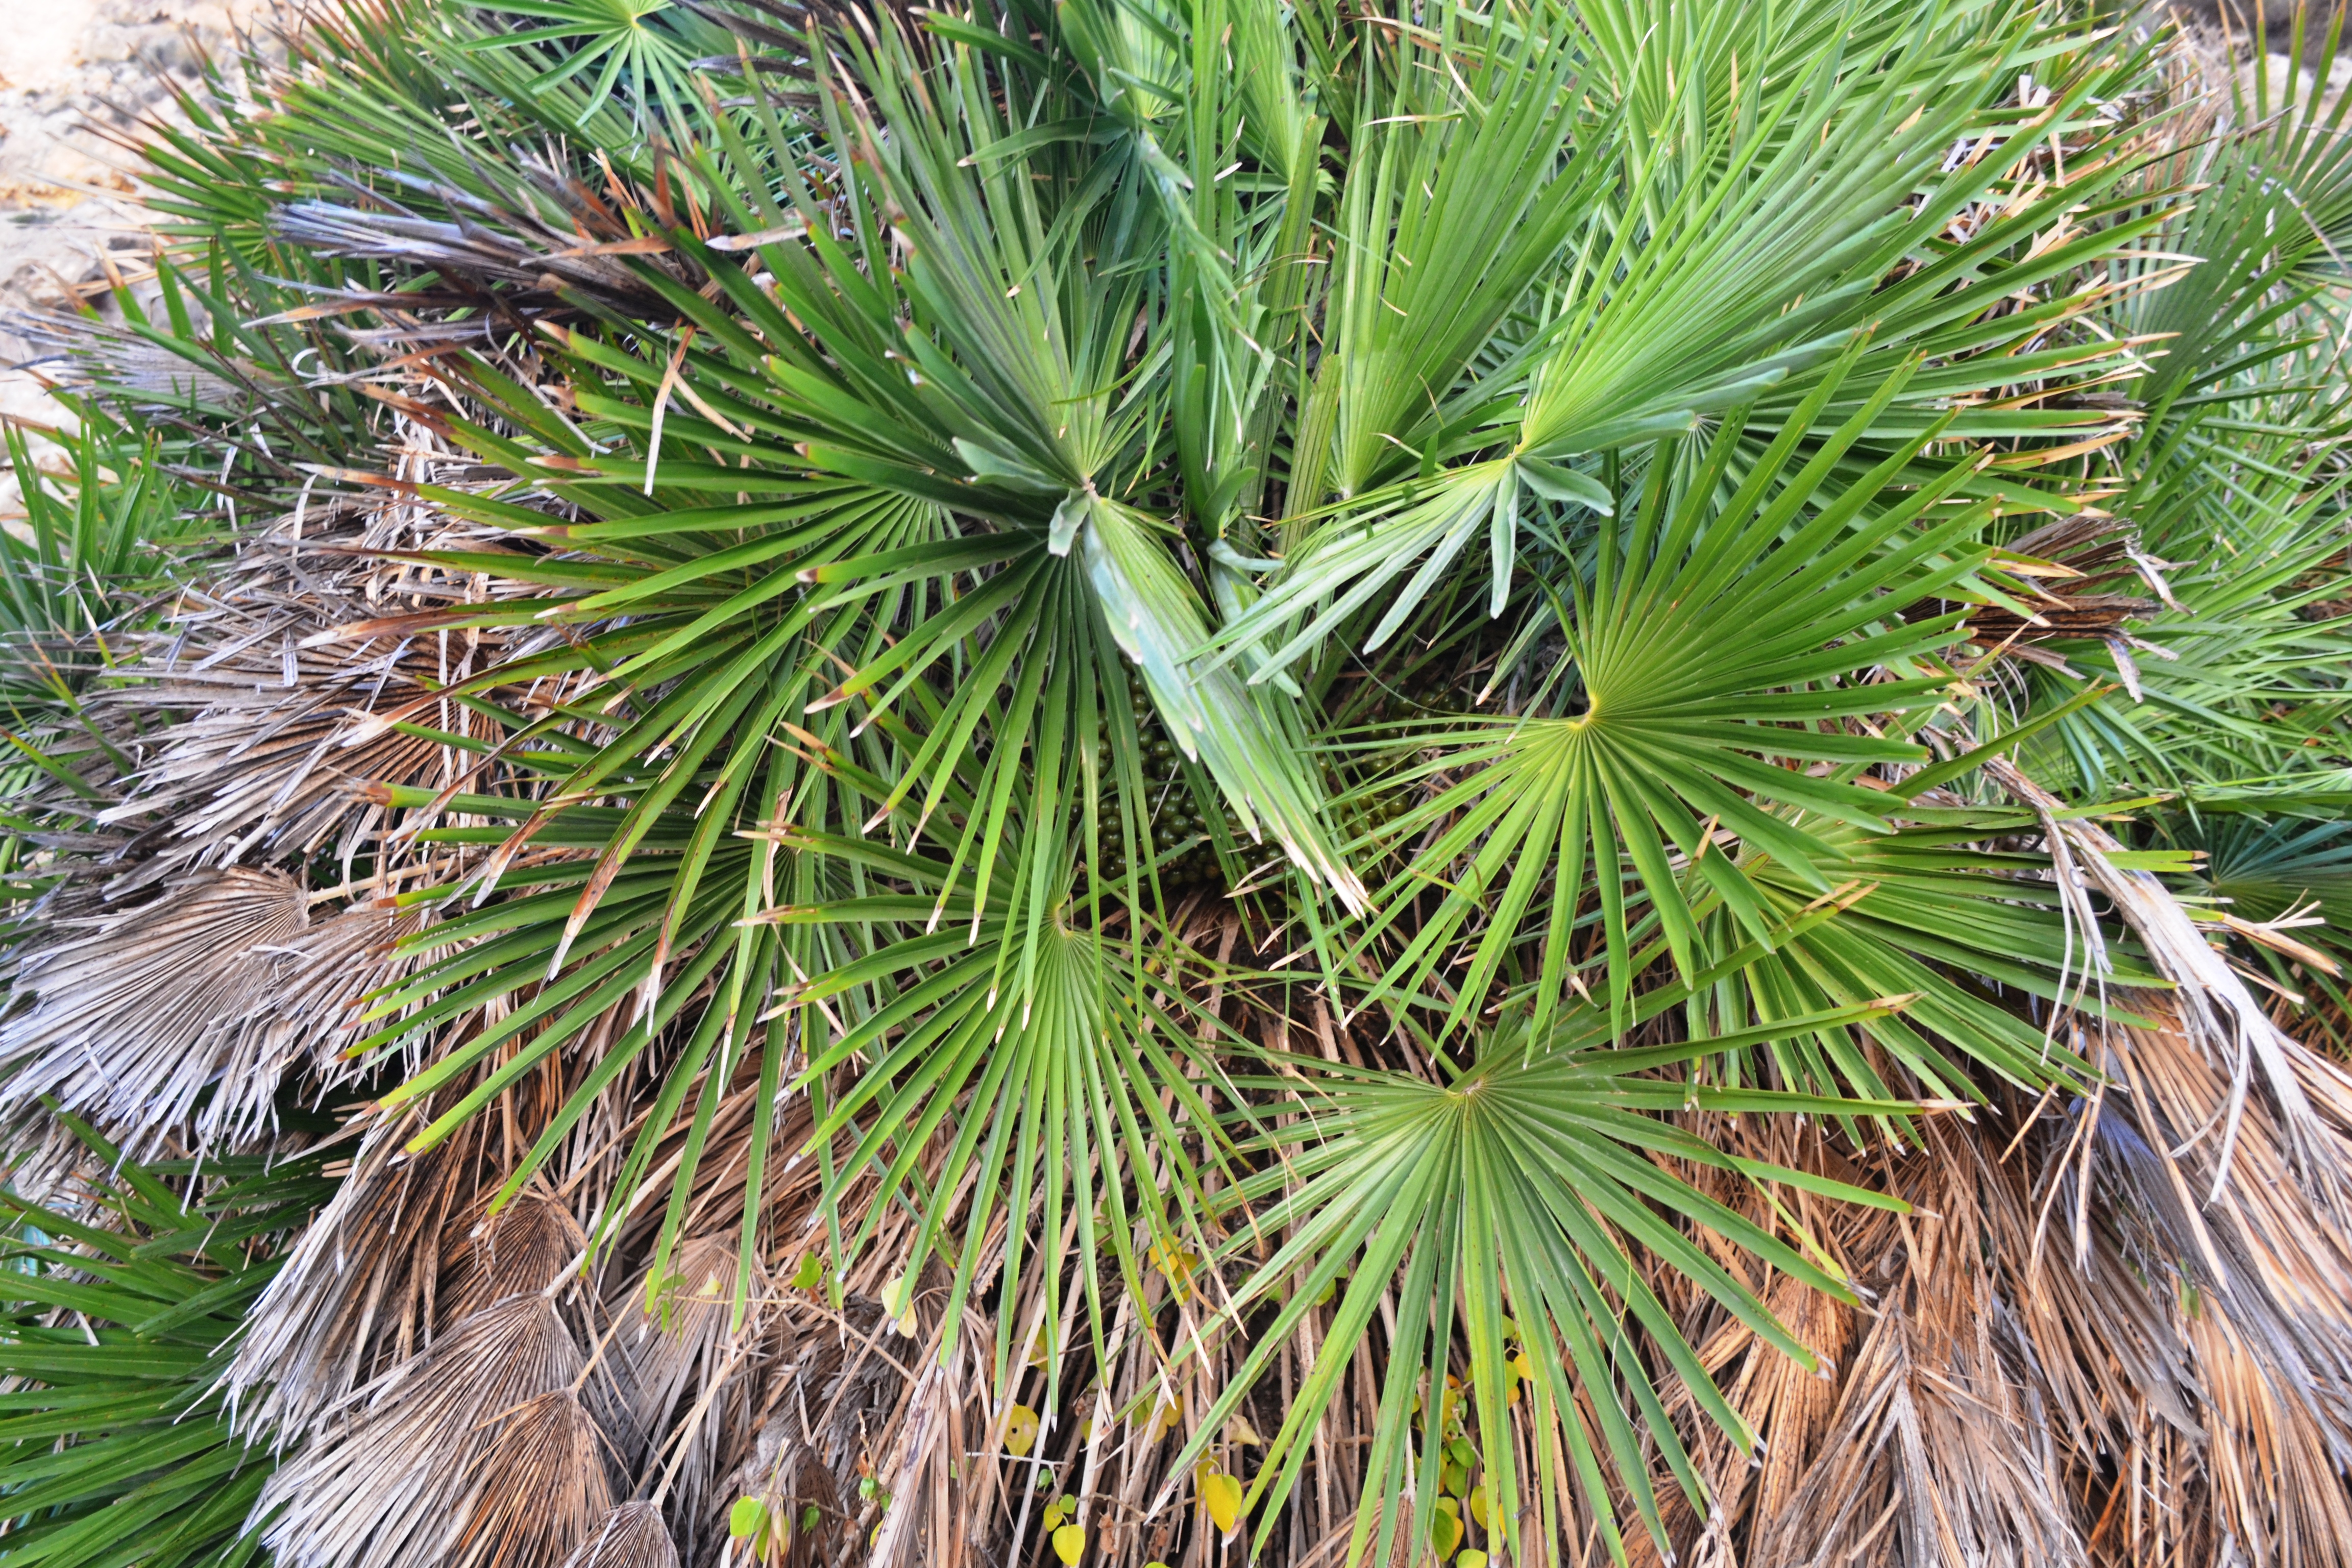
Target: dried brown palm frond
{"x":257,"y":731}
{"x":394,"y":1475}
{"x":694,"y":1376}
{"x":631,"y":1536}
{"x":416,"y":1242}
{"x":2263,"y":1273}
{"x":540,"y":1487}
{"x":553,"y":247}
{"x":521,"y":1249}
{"x":266,"y":761}
{"x":2215,"y":1010}
{"x":1925,"y":1435}
{"x":222,"y":982}
{"x":1789,"y":1409}
{"x":81,"y":351}
{"x":1962,"y":1473}
{"x":359,"y":1293}
{"x":833,"y":1395}
{"x":2066,"y":1353}
{"x":676,"y":1330}
{"x":2073,"y":567}
{"x":2271,"y":1470}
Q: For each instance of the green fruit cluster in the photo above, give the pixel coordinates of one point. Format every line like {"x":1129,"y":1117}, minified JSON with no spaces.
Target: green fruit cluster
{"x":1176,"y":818}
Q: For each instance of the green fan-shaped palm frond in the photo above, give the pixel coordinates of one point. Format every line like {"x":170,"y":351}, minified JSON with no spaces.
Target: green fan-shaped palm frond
{"x":1502,"y":1205}
{"x":119,"y":1303}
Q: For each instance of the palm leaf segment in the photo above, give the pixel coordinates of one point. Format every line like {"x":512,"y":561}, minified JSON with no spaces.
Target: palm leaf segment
{"x":117,"y":1316}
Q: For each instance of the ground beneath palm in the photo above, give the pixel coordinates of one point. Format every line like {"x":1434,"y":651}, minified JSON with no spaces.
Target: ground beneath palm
{"x":68,"y":200}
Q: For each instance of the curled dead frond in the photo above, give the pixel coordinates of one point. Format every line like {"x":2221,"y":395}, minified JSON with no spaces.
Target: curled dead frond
{"x":222,"y":982}
{"x":540,"y":1487}
{"x":631,"y":1536}
{"x":394,"y":1477}
{"x":2216,"y":1009}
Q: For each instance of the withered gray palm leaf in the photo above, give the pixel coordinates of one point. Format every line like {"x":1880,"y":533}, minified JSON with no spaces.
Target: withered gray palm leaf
{"x":631,"y":1536}
{"x":188,"y":1010}
{"x":402,"y":1471}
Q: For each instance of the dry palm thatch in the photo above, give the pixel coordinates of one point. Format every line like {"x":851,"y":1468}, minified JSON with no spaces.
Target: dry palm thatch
{"x":539,"y":1486}
{"x":2062,"y":1356}
{"x":527,"y":1245}
{"x":413,"y":1465}
{"x":631,"y":1536}
{"x":221,"y":987}
{"x":684,"y":1349}
{"x":274,"y":730}
{"x":358,"y":1292}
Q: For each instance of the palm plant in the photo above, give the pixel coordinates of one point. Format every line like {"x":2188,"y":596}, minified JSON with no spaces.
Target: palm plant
{"x":1163,"y":783}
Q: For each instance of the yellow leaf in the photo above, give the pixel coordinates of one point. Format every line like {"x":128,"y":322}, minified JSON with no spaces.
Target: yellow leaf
{"x":1482,"y":1503}
{"x":1240,"y":1432}
{"x":1070,"y":1542}
{"x":1020,"y":1431}
{"x":1471,"y":1560}
{"x":1222,"y":1497}
{"x":898,"y":1301}
{"x":1177,"y":1265}
{"x":1445,"y":1529}
{"x":1164,"y":1419}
